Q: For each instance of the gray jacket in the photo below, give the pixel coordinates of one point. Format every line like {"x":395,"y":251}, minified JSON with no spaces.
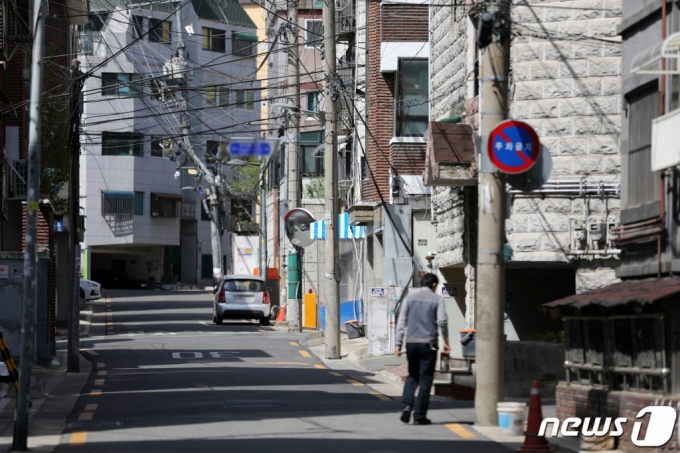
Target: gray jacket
{"x":421,"y":313}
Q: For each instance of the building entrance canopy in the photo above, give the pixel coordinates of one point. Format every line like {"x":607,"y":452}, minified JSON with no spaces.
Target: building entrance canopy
{"x":649,"y":61}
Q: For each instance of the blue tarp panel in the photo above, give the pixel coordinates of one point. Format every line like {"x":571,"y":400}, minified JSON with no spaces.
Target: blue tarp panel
{"x":347,"y":312}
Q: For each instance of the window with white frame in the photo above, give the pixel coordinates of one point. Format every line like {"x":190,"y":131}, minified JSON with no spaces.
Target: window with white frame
{"x":412,"y":102}
{"x":313,"y":33}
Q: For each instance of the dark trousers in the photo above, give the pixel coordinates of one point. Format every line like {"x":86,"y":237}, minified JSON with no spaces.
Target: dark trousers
{"x":421,"y":360}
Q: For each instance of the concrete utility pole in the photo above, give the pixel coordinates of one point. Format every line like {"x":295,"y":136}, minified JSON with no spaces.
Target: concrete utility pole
{"x":332,"y":268}
{"x":32,"y":209}
{"x":293,"y":161}
{"x":179,"y":69}
{"x":263,"y":222}
{"x":73,"y":353}
{"x":491,"y":235}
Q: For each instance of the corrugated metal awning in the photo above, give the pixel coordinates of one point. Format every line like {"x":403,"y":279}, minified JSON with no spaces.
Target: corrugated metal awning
{"x":631,"y":291}
{"x":118,"y":195}
{"x":649,"y":61}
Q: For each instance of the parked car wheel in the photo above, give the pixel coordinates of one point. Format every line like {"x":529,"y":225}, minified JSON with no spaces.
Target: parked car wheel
{"x":264,"y":321}
{"x":218,"y":319}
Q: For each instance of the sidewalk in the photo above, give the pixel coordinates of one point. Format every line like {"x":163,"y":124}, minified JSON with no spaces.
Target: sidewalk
{"x":54,"y":393}
{"x":390,"y":372}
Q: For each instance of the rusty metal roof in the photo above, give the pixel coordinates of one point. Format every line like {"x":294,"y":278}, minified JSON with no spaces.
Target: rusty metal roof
{"x":639,"y":291}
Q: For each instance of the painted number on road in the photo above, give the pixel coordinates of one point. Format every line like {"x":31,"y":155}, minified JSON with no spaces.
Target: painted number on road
{"x":187,"y":355}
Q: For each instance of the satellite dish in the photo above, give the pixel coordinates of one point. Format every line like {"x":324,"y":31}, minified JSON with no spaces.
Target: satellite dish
{"x":535,"y":177}
{"x":297,"y":223}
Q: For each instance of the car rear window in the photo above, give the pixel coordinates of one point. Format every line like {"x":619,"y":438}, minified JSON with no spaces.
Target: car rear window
{"x":243,"y":285}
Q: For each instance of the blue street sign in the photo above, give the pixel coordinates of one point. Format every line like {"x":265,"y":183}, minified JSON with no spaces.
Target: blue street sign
{"x":201,"y":192}
{"x":58,"y":225}
{"x":513,"y":147}
{"x":250,"y":148}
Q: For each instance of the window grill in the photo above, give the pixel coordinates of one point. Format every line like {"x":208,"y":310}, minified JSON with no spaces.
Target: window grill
{"x":243,"y":43}
{"x":18,"y":172}
{"x":163,"y":205}
{"x":623,"y":352}
{"x":118,"y":202}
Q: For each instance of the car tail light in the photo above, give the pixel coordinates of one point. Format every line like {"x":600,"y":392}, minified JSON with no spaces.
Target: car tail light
{"x":265,"y":298}
{"x":222,"y":297}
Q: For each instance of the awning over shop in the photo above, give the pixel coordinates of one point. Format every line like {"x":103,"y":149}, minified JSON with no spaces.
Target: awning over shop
{"x":118,"y":195}
{"x":167,"y":196}
{"x":631,"y":291}
{"x":649,"y":61}
{"x":243,"y":36}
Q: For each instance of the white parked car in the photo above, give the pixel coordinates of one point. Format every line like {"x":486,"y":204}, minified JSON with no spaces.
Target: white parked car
{"x":90,"y":290}
{"x":241,"y":297}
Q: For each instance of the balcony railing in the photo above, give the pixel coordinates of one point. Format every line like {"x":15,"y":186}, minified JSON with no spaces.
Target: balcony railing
{"x":345,"y":19}
{"x":239,"y":226}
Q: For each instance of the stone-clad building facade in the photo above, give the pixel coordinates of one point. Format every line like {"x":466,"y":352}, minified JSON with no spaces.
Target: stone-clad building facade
{"x":565,"y":82}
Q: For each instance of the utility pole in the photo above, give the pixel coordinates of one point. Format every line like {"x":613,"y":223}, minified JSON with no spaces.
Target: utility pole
{"x":332,"y":268}
{"x":263,"y":222}
{"x":73,"y":353}
{"x":179,"y":64}
{"x":32,"y":209}
{"x":491,"y":235}
{"x":293,"y":161}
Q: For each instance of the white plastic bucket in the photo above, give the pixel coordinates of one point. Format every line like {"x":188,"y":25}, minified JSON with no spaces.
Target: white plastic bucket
{"x":511,"y":418}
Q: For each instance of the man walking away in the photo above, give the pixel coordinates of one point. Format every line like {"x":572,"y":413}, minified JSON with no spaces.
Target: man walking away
{"x":421,"y":313}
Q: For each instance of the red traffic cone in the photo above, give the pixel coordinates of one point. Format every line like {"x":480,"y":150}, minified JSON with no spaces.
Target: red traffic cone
{"x":281,"y":316}
{"x":532,"y":441}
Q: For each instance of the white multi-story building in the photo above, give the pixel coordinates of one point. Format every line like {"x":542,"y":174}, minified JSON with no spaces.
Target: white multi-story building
{"x":140,"y":221}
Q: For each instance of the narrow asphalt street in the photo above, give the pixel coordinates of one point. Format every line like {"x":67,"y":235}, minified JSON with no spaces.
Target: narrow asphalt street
{"x":166,"y":379}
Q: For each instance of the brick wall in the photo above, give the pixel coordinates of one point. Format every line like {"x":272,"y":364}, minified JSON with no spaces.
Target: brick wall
{"x":582,"y":401}
{"x":408,"y":158}
{"x":386,"y":23}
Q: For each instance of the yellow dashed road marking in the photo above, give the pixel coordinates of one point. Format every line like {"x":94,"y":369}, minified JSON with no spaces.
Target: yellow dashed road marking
{"x":260,"y":329}
{"x":91,"y":407}
{"x":101,"y":365}
{"x":335,"y":373}
{"x":102,"y":373}
{"x":89,"y":351}
{"x":458,"y":429}
{"x":99,"y":382}
{"x":95,"y":392}
{"x":380,"y":396}
{"x":78,"y":438}
{"x":305,"y":354}
{"x":356,"y":383}
{"x":85,"y":416}
{"x":321,"y":367}
{"x":294,"y":343}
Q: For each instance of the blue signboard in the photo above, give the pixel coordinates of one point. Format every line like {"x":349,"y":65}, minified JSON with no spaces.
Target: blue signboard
{"x":250,"y":148}
{"x":513,"y":147}
{"x":201,"y":192}
{"x":59,"y":225}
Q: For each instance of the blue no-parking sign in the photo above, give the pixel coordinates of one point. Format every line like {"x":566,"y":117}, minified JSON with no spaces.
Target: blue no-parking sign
{"x":513,"y":147}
